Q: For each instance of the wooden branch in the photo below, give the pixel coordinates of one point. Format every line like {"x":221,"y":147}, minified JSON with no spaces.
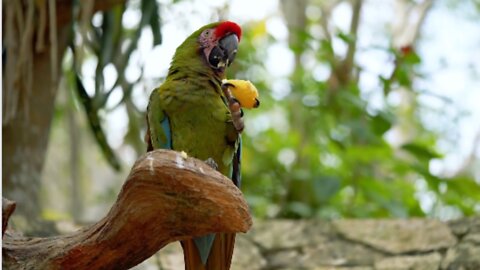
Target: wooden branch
{"x":166,"y":198}
{"x":406,"y":28}
{"x":7,"y":209}
{"x":352,"y":46}
{"x":343,"y":70}
{"x":64,"y":8}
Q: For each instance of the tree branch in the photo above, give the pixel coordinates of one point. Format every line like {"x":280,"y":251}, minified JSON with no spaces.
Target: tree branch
{"x":352,"y":46}
{"x":411,"y":16}
{"x":7,"y":209}
{"x":166,"y":198}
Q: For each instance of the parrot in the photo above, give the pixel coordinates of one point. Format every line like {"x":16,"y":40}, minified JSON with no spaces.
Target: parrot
{"x":189,"y":112}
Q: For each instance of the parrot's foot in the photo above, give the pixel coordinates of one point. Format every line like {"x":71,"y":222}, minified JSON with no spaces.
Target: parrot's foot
{"x":237,"y":115}
{"x":235,"y":108}
{"x":210,"y":162}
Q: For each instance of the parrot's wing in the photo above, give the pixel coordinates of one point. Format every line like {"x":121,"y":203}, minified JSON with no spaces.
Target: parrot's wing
{"x":158,"y":124}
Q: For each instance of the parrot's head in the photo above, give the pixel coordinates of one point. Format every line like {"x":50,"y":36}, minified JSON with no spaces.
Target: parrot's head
{"x":219,"y":44}
{"x":216,"y":44}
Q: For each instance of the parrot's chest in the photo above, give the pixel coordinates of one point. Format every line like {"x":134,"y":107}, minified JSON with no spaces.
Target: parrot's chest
{"x":203,"y":129}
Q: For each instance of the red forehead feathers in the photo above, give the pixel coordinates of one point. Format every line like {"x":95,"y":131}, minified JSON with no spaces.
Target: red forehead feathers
{"x":228,"y":27}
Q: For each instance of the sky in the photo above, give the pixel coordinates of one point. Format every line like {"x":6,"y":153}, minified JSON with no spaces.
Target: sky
{"x":449,"y":46}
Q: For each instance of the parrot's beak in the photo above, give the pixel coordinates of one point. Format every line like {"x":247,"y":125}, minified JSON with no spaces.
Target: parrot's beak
{"x":257,"y":103}
{"x":224,"y":53}
{"x":229,"y":44}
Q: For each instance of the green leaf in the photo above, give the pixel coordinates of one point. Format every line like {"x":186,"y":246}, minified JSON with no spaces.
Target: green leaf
{"x":420,"y":151}
{"x":325,"y":187}
{"x":156,"y":24}
{"x":347,"y":38}
{"x":432,"y":180}
{"x":412,"y":58}
{"x":380,"y":124}
{"x":402,"y":75}
{"x":387,"y":84}
{"x":465,"y":186}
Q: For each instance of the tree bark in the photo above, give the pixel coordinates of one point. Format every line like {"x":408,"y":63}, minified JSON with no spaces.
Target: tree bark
{"x":167,"y":197}
{"x":28,"y":111}
{"x":7,"y":209}
{"x":25,"y":138}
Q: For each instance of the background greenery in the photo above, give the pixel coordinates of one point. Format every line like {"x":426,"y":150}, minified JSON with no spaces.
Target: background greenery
{"x":322,"y":144}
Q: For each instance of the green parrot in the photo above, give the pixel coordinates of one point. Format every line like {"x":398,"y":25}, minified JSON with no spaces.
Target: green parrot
{"x":190,"y":113}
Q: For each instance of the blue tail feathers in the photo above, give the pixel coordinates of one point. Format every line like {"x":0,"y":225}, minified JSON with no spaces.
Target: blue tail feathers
{"x":204,"y":245}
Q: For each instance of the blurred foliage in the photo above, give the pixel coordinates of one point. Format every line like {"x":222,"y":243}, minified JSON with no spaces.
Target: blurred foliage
{"x":107,"y":40}
{"x":315,"y":148}
{"x":321,"y":151}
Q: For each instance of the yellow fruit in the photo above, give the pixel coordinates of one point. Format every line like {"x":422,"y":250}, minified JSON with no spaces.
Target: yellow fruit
{"x":245,"y":92}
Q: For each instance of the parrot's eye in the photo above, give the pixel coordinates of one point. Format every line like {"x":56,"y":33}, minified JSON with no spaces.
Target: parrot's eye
{"x":206,"y":33}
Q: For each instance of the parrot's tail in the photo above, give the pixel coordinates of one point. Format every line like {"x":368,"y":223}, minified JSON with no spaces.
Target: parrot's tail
{"x":220,"y":256}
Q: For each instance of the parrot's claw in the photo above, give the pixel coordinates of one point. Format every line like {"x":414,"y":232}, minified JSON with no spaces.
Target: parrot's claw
{"x":237,"y":115}
{"x":210,"y":162}
{"x":235,"y":108}
{"x":241,"y":110}
{"x":226,"y":84}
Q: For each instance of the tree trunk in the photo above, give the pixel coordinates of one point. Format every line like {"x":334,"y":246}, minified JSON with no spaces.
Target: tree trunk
{"x":29,"y":91}
{"x":75,"y":143}
{"x":167,"y":197}
{"x":25,"y":136}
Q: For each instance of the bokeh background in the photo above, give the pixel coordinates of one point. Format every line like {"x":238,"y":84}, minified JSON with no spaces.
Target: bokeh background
{"x":369,"y":108}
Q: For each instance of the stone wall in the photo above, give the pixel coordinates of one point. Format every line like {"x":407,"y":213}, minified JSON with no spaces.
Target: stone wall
{"x":350,"y":245}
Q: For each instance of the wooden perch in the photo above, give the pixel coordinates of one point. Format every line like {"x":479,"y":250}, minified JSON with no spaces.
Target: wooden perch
{"x":166,"y":198}
{"x":7,"y":209}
